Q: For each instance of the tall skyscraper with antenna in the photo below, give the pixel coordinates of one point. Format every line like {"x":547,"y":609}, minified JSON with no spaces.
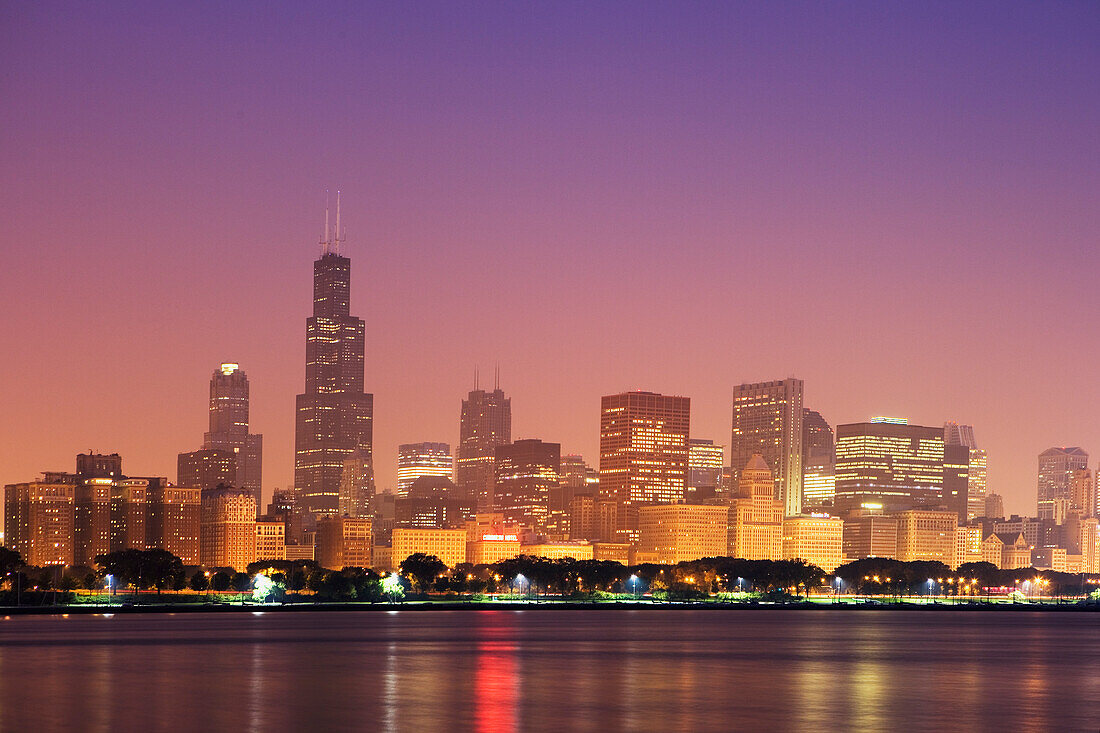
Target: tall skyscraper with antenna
{"x":334,"y":416}
{"x":486,"y":423}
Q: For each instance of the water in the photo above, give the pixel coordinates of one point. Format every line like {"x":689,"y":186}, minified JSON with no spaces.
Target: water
{"x":586,"y":670}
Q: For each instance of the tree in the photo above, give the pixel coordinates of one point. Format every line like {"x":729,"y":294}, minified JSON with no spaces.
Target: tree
{"x":10,"y":561}
{"x":423,"y":569}
{"x":199,"y":582}
{"x":221,"y":581}
{"x":241,"y":582}
{"x":141,"y":568}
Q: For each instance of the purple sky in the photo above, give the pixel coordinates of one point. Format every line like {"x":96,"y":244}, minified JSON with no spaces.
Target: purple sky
{"x":895,"y":202}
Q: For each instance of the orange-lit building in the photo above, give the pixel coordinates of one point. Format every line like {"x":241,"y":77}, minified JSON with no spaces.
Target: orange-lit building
{"x":39,"y":522}
{"x":815,"y":539}
{"x":680,"y":532}
{"x":449,"y":545}
{"x":270,"y":539}
{"x":343,"y":542}
{"x":174,"y":521}
{"x":227,"y":536}
{"x":755,"y":515}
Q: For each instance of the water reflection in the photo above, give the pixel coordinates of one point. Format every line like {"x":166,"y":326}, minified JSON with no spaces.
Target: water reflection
{"x":592,"y":670}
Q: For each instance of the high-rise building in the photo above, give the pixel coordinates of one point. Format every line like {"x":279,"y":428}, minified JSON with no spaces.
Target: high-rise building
{"x":705,"y":461}
{"x":818,"y":462}
{"x":431,"y":501}
{"x":755,"y":515}
{"x":92,"y":517}
{"x":870,"y":535}
{"x":284,"y":508}
{"x":1056,"y":467}
{"x":955,"y":434}
{"x":227,"y":534}
{"x":994,"y":506}
{"x":449,"y":545}
{"x":888,"y":464}
{"x":683,"y":532}
{"x":357,"y":485}
{"x":334,"y":416}
{"x":527,"y":471}
{"x":270,"y":539}
{"x":207,"y":468}
{"x":1082,"y":492}
{"x":422,"y":459}
{"x":767,"y":419}
{"x":97,"y":465}
{"x":344,"y":542}
{"x":486,"y":423}
{"x":643,"y":452}
{"x":39,"y":521}
{"x":129,"y":511}
{"x":174,"y":522}
{"x":229,"y":428}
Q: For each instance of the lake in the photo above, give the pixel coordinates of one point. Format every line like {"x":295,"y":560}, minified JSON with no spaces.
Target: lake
{"x":544,"y":669}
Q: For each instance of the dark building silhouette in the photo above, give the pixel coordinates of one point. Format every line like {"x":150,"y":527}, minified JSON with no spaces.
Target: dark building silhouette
{"x":334,"y":415}
{"x":486,"y":423}
{"x":431,"y":502}
{"x":229,"y":427}
{"x":207,"y":468}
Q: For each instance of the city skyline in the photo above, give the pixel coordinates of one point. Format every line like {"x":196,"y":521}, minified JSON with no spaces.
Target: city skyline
{"x":898,"y":260}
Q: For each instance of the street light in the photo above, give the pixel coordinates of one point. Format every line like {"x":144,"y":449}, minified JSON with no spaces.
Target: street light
{"x":634,"y":582}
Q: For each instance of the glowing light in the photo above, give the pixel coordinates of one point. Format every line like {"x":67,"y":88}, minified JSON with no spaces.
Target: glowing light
{"x":228,"y":368}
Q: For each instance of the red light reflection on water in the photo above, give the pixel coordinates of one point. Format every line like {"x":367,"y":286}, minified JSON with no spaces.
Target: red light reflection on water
{"x":496,"y":679}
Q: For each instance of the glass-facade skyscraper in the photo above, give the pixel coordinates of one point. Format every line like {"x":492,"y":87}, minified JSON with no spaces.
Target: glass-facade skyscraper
{"x":486,"y":423}
{"x":334,"y":416}
{"x":767,"y":419}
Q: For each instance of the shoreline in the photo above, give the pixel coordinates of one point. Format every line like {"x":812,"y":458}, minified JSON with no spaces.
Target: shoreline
{"x":885,"y":606}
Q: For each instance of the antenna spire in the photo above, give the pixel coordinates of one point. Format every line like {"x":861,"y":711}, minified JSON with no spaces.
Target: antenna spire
{"x":496,"y":378}
{"x":324,"y":236}
{"x":337,"y":235}
{"x":475,"y":377}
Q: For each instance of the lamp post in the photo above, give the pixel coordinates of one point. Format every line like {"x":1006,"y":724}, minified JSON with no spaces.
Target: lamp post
{"x":634,"y":583}
{"x":836,"y":596}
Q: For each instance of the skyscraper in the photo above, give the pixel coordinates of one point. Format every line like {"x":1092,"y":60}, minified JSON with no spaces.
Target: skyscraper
{"x":976,"y":482}
{"x":818,"y":461}
{"x":1056,"y":467}
{"x":229,"y":427}
{"x":643,"y":452}
{"x":357,"y":485}
{"x":486,"y":423}
{"x":705,"y":461}
{"x":767,"y":419}
{"x":334,"y":415}
{"x":888,"y":464}
{"x":527,"y":471}
{"x":422,"y":459}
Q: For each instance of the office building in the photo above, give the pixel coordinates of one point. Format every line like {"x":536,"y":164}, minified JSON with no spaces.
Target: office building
{"x":526,"y":472}
{"x":888,"y":464}
{"x":357,"y":485}
{"x":206,"y":468}
{"x":422,"y":459}
{"x":643,"y":453}
{"x":558,"y":550}
{"x":816,"y":539}
{"x":818,"y":462}
{"x":334,"y":416}
{"x":994,"y":506}
{"x":870,"y":535}
{"x":92,"y":515}
{"x":449,"y":545}
{"x":343,"y":542}
{"x":705,"y":462}
{"x":1006,"y":550}
{"x":1056,"y":467}
{"x":486,"y":423}
{"x":767,"y":419}
{"x":927,"y":535}
{"x":270,"y":539}
{"x":1082,"y":492}
{"x":229,"y":429}
{"x":227,"y":536}
{"x":755,"y":515}
{"x":682,"y":532}
{"x":431,"y":502}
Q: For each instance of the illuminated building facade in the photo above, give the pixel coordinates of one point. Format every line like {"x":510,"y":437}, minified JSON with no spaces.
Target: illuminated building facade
{"x":888,"y":464}
{"x":39,"y":522}
{"x":422,"y":459}
{"x":927,"y":535}
{"x":449,"y":545}
{"x":270,"y":539}
{"x":558,"y":550}
{"x":1082,"y":492}
{"x":968,"y":544}
{"x":994,"y":506}
{"x":229,"y":428}
{"x":973,"y":498}
{"x":643,"y":452}
{"x":490,"y":538}
{"x":486,"y":422}
{"x":357,"y":485}
{"x":174,"y":522}
{"x":128,"y":514}
{"x":755,"y":515}
{"x":430,"y":502}
{"x":575,"y":478}
{"x":1056,"y":467}
{"x":92,"y":518}
{"x":682,"y":532}
{"x":1006,"y":550}
{"x":526,"y":472}
{"x":818,"y":540}
{"x":227,"y":530}
{"x":343,"y":542}
{"x":818,"y":462}
{"x":767,"y":419}
{"x":334,"y":416}
{"x":705,"y":461}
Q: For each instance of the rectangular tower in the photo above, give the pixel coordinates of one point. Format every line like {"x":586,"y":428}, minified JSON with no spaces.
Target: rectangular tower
{"x":486,"y":423}
{"x":334,"y":416}
{"x":767,"y":419}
